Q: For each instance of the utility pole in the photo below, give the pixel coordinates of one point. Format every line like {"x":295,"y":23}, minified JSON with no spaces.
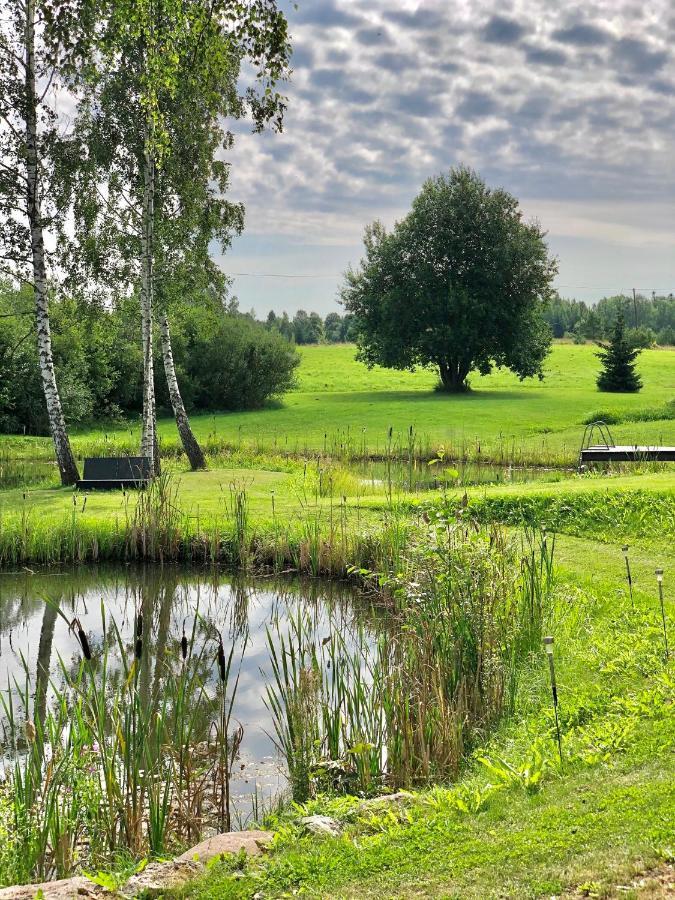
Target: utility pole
{"x":635,"y":307}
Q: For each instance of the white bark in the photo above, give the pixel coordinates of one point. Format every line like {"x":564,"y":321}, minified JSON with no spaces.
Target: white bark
{"x":149,"y":436}
{"x":57,"y":425}
{"x":192,"y":449}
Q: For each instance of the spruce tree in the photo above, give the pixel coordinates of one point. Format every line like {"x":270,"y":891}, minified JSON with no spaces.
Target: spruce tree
{"x":618,"y":363}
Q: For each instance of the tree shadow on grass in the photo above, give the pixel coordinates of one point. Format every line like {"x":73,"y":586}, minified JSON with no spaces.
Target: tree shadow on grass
{"x":440,"y":397}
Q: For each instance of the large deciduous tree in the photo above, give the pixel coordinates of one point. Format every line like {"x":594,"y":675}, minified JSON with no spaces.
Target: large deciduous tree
{"x":36,"y":163}
{"x":459,"y":284}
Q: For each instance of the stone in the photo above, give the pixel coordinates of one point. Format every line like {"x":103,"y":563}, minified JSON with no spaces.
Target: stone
{"x":321,"y":825}
{"x":251,"y":842}
{"x":156,"y":878}
{"x":402,"y":798}
{"x":66,"y":889}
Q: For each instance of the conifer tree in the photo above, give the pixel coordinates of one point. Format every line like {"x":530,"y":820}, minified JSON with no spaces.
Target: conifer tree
{"x":618,"y":363}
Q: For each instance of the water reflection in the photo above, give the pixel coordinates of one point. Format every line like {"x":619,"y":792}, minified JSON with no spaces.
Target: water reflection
{"x":35,"y":636}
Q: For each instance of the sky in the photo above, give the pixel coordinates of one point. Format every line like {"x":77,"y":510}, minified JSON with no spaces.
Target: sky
{"x":569,"y":105}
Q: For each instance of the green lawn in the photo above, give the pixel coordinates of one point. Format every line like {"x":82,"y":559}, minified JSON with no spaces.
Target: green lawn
{"x":607,"y":817}
{"x":339,"y":400}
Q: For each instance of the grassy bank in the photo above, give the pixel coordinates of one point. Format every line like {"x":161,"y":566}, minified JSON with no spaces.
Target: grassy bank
{"x":342,"y":408}
{"x":262,"y":520}
{"x":517,"y":823}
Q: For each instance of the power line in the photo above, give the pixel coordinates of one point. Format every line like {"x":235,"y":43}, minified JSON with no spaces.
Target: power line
{"x":586,"y":287}
{"x":277,"y":275}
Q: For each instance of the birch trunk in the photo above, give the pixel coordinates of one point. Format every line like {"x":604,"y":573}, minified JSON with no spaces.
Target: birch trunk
{"x":149,"y":446}
{"x":192,"y":449}
{"x":57,"y":424}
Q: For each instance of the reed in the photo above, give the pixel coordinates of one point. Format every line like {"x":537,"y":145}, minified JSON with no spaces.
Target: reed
{"x":117,"y":762}
{"x":468,"y":605}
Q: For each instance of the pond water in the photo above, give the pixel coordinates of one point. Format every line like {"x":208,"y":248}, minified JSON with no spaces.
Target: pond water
{"x":15,"y":473}
{"x":240,"y":610}
{"x":424,"y":477}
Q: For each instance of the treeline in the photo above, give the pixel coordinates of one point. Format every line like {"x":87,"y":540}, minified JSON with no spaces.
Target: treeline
{"x":310,"y":328}
{"x":224,"y":360}
{"x":649,"y":320}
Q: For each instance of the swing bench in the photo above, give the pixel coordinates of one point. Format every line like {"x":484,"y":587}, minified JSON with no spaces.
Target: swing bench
{"x":110,"y":472}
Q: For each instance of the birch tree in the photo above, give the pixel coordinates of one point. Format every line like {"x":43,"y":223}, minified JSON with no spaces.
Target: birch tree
{"x":36,"y":163}
{"x":152,"y":127}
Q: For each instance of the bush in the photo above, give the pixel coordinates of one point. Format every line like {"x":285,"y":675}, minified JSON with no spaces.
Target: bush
{"x":228,"y":361}
{"x":224,"y":360}
{"x":641,"y":338}
{"x":666,"y":337}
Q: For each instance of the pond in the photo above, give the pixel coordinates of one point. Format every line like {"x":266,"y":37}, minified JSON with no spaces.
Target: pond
{"x":35,"y":638}
{"x":424,"y":476}
{"x":18,"y":472}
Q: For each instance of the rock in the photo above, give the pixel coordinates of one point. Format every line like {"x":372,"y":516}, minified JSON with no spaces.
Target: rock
{"x":156,"y":878}
{"x":321,"y":825}
{"x":67,"y":889}
{"x":251,"y":842}
{"x":400,"y":797}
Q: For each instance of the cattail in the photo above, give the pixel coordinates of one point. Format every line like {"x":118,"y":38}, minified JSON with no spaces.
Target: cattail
{"x":184,"y":645}
{"x":139,"y":625}
{"x":76,"y":625}
{"x":138,"y":649}
{"x":221,"y":659}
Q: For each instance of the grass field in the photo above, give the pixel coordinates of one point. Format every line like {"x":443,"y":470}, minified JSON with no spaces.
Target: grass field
{"x":595,"y":828}
{"x":339,"y":403}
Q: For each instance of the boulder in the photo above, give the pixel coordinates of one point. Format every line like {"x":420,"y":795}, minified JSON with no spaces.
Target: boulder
{"x":251,"y":842}
{"x":156,"y":878}
{"x":400,"y":798}
{"x":321,"y":825}
{"x":66,"y":889}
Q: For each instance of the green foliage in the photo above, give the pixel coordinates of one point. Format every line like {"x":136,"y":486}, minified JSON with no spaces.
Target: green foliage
{"x":106,"y":772}
{"x":618,"y":363}
{"x":257,"y":366}
{"x":99,"y":362}
{"x":459,"y":284}
{"x":649,"y":318}
{"x":603,"y":514}
{"x":354,"y":714}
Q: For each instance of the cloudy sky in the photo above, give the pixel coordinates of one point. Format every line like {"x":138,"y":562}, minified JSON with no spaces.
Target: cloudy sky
{"x":570,"y":105}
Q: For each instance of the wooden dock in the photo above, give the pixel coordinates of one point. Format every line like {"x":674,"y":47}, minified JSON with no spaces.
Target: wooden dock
{"x":626,"y":453}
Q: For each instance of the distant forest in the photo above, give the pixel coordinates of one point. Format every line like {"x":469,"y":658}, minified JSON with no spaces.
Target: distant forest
{"x":649,"y":321}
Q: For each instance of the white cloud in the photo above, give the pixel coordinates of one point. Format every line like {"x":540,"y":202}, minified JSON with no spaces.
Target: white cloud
{"x":569,"y":105}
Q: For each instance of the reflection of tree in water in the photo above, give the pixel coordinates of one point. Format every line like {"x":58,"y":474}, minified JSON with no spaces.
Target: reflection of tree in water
{"x":44,"y":658}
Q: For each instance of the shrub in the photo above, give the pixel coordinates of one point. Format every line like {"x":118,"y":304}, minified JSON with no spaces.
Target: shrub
{"x":228,"y":361}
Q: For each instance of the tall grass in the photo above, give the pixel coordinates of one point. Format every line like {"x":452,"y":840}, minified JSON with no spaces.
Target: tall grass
{"x":153,"y":527}
{"x":468,"y":606}
{"x":117,"y":763}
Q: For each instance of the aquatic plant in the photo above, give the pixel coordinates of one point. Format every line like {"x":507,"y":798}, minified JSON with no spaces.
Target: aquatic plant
{"x":358,"y":713}
{"x":117,"y":761}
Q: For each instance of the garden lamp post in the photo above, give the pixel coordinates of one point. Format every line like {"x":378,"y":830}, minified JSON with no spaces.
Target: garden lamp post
{"x":628,"y":574}
{"x":548,"y":646}
{"x":659,"y":580}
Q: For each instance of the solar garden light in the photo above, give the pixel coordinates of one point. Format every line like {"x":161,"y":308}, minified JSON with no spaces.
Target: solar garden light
{"x":548,"y":646}
{"x":659,"y":579}
{"x":628,"y":575}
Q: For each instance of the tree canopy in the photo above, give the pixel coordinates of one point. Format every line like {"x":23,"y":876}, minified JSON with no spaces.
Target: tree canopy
{"x":460,"y":284}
